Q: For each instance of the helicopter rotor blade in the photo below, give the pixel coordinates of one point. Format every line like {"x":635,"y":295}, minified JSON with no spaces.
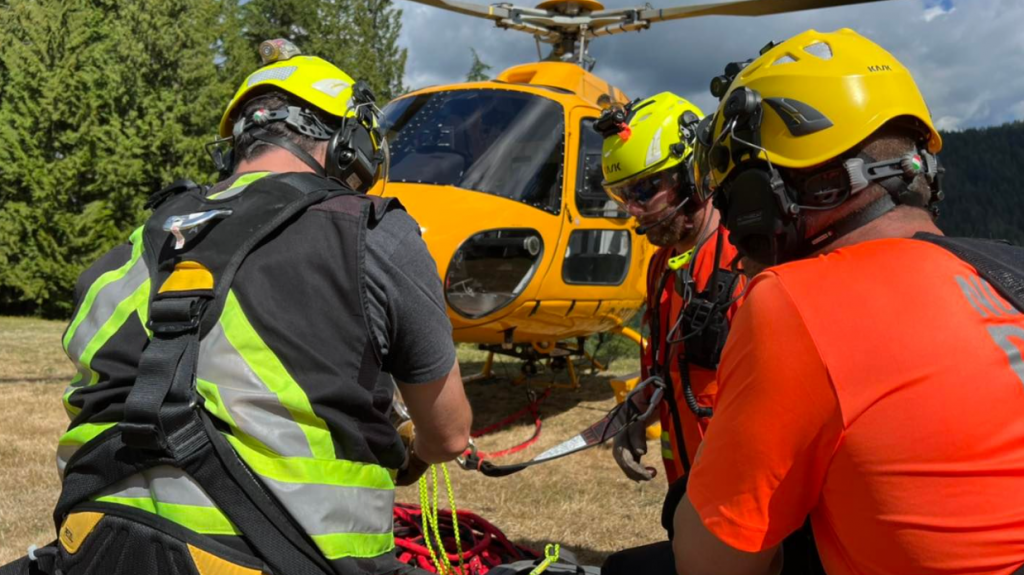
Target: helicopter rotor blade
{"x":740,"y":8}
{"x":490,"y":12}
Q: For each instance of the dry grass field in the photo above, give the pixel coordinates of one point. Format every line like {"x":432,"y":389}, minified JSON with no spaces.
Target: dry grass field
{"x":583,"y":501}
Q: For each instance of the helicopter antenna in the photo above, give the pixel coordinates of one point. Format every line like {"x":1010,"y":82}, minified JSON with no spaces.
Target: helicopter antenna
{"x":570,"y":26}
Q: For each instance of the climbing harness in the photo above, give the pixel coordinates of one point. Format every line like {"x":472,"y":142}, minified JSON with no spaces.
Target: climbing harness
{"x":164,"y":423}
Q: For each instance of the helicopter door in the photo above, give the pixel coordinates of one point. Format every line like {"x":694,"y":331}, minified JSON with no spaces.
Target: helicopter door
{"x":599,"y":261}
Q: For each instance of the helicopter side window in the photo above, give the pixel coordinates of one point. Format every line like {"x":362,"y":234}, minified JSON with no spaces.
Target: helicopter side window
{"x":501,"y":142}
{"x":597,"y":257}
{"x":591,"y":199}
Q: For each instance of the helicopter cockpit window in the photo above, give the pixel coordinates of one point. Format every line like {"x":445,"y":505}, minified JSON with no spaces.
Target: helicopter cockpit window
{"x":591,"y":199}
{"x":510,"y":144}
{"x":597,"y":257}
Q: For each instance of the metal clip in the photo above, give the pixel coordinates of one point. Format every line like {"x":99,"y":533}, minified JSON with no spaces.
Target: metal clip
{"x":175,"y":225}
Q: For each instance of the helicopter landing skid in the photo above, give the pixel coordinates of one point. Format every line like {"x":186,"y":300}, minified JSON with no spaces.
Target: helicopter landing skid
{"x":485,"y":372}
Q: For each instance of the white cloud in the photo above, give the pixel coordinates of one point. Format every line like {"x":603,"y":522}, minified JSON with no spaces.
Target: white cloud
{"x":948,"y":123}
{"x":934,"y":12}
{"x":967,"y":62}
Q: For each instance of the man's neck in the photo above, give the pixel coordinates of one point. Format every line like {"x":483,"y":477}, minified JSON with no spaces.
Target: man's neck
{"x":274,"y":160}
{"x":708,"y":228}
{"x":903,"y":222}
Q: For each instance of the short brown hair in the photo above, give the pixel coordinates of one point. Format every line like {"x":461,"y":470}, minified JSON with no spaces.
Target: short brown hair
{"x":246,"y":147}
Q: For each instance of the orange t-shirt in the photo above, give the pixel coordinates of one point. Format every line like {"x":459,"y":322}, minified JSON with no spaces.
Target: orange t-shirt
{"x":879,"y":389}
{"x":702,"y":380}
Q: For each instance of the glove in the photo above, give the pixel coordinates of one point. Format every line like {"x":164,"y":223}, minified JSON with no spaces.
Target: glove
{"x":411,"y":470}
{"x":629,"y":447}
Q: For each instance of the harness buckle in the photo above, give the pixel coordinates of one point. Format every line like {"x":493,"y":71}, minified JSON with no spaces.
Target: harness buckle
{"x":175,"y":316}
{"x":144,"y":436}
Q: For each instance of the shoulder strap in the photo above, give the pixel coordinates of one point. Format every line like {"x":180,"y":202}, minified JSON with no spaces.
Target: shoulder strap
{"x":999,"y":262}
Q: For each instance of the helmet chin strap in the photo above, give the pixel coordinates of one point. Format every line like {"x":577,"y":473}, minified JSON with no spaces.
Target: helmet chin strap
{"x":869,"y":213}
{"x":309,"y":160}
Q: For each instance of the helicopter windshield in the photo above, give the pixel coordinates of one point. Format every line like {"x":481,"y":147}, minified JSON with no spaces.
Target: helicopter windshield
{"x":501,"y":142}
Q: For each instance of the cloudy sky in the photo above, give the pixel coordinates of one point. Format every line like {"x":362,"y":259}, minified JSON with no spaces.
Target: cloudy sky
{"x":967,"y":55}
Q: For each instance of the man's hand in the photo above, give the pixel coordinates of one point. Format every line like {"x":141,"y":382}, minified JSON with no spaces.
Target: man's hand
{"x":629,"y":448}
{"x":412,"y":469}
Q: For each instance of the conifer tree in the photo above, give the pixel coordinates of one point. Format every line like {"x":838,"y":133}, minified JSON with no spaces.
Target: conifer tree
{"x":358,"y":36}
{"x":104,"y":104}
{"x":477,"y":70}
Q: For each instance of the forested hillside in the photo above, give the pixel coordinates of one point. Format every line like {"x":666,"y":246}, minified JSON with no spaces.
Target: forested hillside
{"x":102,"y":103}
{"x":984,"y":172}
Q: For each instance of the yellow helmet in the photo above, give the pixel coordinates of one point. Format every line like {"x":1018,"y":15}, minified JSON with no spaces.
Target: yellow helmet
{"x":819,"y":95}
{"x":647,"y":138}
{"x":308,"y":78}
{"x":805,"y":105}
{"x":356,"y":152}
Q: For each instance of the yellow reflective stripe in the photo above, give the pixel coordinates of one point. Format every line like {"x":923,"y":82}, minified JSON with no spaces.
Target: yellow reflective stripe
{"x":240,"y":333}
{"x":338,"y":545}
{"x":322,"y":471}
{"x":82,"y":434}
{"x":140,"y":297}
{"x":100,"y":283}
{"x":206,"y":520}
{"x":214,"y":405}
{"x":242,"y":181}
{"x":667,"y":454}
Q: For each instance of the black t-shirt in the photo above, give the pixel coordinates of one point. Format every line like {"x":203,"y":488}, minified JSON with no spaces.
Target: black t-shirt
{"x":404,"y":301}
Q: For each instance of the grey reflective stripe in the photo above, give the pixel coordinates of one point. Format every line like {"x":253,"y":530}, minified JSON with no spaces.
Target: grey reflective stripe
{"x":327,"y":509}
{"x":1002,"y":334}
{"x":104,"y":305}
{"x":64,"y":453}
{"x":974,"y":297}
{"x":976,"y":284}
{"x":1009,"y":309}
{"x":162,"y":483}
{"x":281,"y":74}
{"x":255,"y":409}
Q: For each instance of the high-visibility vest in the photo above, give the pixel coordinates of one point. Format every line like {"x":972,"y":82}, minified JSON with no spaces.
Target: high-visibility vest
{"x":269,"y":416}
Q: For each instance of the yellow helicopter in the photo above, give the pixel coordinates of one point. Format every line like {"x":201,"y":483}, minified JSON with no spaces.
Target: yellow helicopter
{"x":504,"y":177}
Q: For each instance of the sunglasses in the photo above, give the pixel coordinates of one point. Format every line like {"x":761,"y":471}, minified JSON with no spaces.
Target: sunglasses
{"x":641,"y":191}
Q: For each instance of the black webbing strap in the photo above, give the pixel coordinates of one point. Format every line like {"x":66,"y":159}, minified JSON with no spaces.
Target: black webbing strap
{"x":164,"y":424}
{"x":241,"y":496}
{"x":1000,"y":263}
{"x":216,"y":467}
{"x":166,"y":377}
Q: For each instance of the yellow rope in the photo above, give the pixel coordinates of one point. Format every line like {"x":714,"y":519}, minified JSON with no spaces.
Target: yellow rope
{"x":431,"y":528}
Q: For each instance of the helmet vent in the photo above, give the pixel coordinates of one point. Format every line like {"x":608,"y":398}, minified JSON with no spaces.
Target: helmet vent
{"x":787,"y":59}
{"x":820,"y":49}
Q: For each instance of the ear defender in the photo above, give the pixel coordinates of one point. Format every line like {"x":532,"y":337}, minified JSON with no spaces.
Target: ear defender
{"x":355,"y":152}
